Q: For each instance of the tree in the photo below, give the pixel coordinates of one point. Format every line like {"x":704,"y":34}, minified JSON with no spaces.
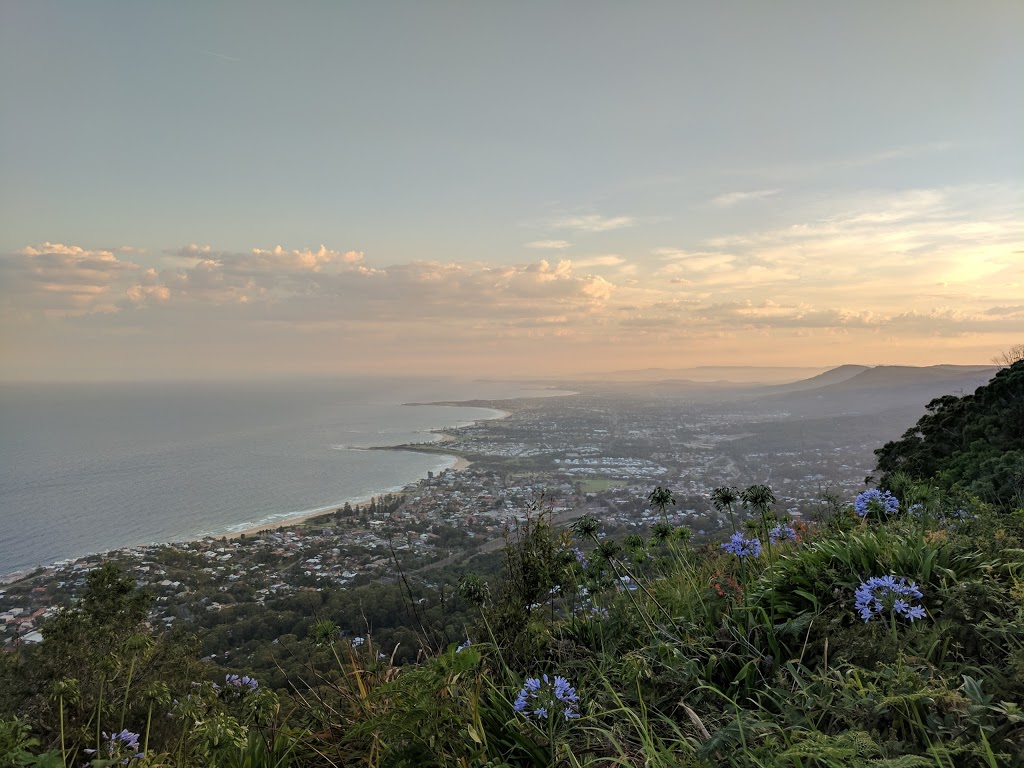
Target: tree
{"x":1010,"y":356}
{"x":96,"y":662}
{"x":966,"y":445}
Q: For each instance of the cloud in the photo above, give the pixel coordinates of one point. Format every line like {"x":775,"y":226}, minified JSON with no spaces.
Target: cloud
{"x":770,"y":314}
{"x":64,"y":278}
{"x":592,"y":223}
{"x":300,"y":286}
{"x":1017,"y":310}
{"x":897,"y":153}
{"x":864,"y":160}
{"x":608,"y":260}
{"x":732,"y":198}
{"x":940,"y":266}
{"x":696,"y":261}
{"x":952,"y":237}
{"x":555,"y":245}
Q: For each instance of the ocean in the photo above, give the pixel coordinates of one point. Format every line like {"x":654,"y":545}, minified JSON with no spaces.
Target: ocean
{"x":88,"y":468}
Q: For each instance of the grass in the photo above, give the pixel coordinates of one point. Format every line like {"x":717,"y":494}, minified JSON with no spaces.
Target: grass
{"x":601,"y":484}
{"x":679,"y":656}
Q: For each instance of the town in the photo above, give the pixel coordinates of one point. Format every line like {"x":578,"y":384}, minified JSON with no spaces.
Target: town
{"x":588,"y":453}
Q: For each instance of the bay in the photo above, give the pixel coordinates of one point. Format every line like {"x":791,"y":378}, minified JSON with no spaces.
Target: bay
{"x":93,"y":467}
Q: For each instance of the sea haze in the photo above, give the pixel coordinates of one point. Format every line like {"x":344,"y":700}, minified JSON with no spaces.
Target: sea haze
{"x":89,"y":467}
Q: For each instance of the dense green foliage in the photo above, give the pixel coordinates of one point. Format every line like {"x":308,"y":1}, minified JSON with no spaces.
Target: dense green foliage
{"x":970,"y":445}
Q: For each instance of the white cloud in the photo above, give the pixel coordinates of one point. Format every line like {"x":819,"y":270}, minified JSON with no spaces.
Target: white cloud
{"x":555,"y":245}
{"x":933,"y":264}
{"x":297,"y":285}
{"x":592,"y":223}
{"x":897,"y":243}
{"x":64,"y":278}
{"x":608,"y":260}
{"x":732,"y":198}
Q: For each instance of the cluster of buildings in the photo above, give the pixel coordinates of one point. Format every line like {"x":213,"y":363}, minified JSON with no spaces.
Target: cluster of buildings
{"x":569,"y":457}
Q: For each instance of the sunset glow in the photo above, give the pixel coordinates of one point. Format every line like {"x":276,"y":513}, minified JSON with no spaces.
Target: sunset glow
{"x":523,"y":190}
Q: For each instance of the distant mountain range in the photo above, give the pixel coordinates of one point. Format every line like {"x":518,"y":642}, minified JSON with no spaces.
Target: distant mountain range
{"x":852,"y":389}
{"x":738,"y":374}
{"x":842,"y":391}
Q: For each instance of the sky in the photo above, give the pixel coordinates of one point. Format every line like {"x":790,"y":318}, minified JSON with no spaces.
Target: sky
{"x":224,"y":189}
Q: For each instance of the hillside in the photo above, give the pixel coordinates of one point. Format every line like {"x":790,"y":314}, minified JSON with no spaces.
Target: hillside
{"x":888,"y":632}
{"x":882,"y":388}
{"x":831,"y":376}
{"x":972,"y":444}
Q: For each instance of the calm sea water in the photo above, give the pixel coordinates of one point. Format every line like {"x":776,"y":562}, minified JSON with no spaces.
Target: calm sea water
{"x":89,"y":468}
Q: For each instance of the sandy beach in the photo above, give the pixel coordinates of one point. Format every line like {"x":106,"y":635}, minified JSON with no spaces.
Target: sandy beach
{"x":289,"y":522}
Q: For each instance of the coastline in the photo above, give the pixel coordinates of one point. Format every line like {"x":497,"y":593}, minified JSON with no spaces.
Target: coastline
{"x":301,"y":518}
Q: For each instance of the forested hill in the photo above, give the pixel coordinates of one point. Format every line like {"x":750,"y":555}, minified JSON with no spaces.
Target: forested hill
{"x":972,"y":444}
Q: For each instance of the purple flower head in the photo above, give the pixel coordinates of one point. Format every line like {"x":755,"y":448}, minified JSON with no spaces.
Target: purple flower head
{"x":873,"y":500}
{"x":741,"y":546}
{"x":960,"y":516}
{"x":886,"y":593}
{"x":542,"y":696}
{"x":782,"y":532}
{"x":591,"y":610}
{"x":578,"y":556}
{"x":117,"y":743}
{"x":239,"y":684}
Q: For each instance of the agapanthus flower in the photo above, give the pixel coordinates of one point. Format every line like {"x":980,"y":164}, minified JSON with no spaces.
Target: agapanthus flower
{"x":589,"y":609}
{"x":242,"y":683}
{"x":463,"y":647}
{"x":541,"y":696}
{"x":126,"y":738}
{"x":581,"y":558}
{"x":741,"y":546}
{"x":874,"y":500}
{"x":881,"y":593}
{"x":782,"y":532}
{"x":358,"y":641}
{"x":117,"y":743}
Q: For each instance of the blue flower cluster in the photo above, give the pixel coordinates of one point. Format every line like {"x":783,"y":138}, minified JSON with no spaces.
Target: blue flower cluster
{"x":782,"y":532}
{"x":874,"y":500}
{"x":577,"y":553}
{"x":242,"y":683}
{"x":741,"y":546}
{"x":880,"y":593}
{"x":463,"y":647}
{"x":942,"y":519}
{"x":541,"y":697}
{"x":590,"y":610}
{"x":118,"y":742}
